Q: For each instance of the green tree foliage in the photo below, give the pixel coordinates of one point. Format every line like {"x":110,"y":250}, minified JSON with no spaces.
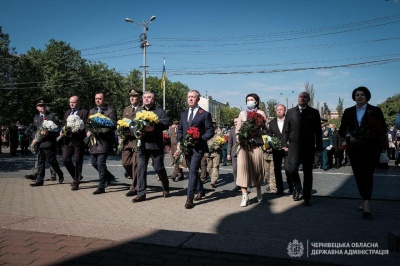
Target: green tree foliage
{"x":227,"y":115}
{"x":390,"y":108}
{"x":309,"y":87}
{"x":271,"y":105}
{"x":339,"y":108}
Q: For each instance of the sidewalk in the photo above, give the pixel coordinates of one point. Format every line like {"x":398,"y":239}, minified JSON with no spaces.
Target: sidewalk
{"x":54,"y":225}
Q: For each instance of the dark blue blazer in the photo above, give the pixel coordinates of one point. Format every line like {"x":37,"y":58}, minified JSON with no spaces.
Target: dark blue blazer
{"x":202,"y":120}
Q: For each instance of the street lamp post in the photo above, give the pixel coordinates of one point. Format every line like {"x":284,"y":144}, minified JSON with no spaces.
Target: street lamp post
{"x":144,"y":43}
{"x":287,"y":99}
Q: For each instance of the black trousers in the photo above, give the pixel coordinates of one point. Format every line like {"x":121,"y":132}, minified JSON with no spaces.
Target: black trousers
{"x":279,"y":157}
{"x":50,"y":156}
{"x":307,"y":175}
{"x":194,"y":185}
{"x":363,"y":162}
{"x":99,"y":162}
{"x":142,"y":160}
{"x":77,"y":150}
{"x":128,"y":161}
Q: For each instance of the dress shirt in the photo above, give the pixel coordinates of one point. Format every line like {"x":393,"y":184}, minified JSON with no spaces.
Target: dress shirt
{"x":360,"y":113}
{"x":195,"y":109}
{"x":280,"y":124}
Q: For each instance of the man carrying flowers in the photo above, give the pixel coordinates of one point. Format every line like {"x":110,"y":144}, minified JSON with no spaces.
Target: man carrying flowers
{"x":148,"y":126}
{"x":100,"y":137}
{"x":201,"y":120}
{"x":46,"y":131}
{"x":129,"y":150}
{"x":72,"y":135}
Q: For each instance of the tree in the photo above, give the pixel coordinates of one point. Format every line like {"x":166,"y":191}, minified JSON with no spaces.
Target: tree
{"x":390,"y":108}
{"x":339,"y":108}
{"x":228,"y":114}
{"x":271,"y":105}
{"x":310,"y":89}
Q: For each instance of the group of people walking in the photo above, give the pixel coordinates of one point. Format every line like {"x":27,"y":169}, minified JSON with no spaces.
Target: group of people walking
{"x":298,"y":130}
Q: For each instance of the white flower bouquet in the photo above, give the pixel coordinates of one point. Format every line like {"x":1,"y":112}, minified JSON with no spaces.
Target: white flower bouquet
{"x":42,"y":132}
{"x":74,"y":124}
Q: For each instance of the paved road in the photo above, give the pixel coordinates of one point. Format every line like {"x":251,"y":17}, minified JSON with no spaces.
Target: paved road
{"x":52,"y":224}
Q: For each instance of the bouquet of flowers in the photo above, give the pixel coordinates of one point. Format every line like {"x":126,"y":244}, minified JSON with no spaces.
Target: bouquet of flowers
{"x":122,"y":129}
{"x":218,"y":142}
{"x":98,"y":124}
{"x":74,"y":125}
{"x":190,"y":139}
{"x":249,"y":133}
{"x":46,"y":126}
{"x":143,"y":119}
{"x":271,"y":142}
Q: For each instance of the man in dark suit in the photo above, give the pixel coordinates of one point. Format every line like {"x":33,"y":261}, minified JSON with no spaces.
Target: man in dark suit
{"x":232,"y":154}
{"x":72,"y":142}
{"x":47,"y":144}
{"x":195,"y":117}
{"x":302,"y":138}
{"x":104,"y":144}
{"x":129,"y":151}
{"x":152,"y":145}
{"x":275,"y":128}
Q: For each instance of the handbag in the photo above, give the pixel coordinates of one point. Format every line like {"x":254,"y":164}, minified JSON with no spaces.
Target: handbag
{"x":384,"y":159}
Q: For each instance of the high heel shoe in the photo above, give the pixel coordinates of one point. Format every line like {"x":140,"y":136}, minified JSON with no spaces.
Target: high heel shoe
{"x":245,"y":200}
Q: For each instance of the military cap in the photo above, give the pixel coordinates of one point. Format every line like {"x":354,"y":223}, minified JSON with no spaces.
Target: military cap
{"x":133,"y":92}
{"x":40,"y":101}
{"x":323,"y":120}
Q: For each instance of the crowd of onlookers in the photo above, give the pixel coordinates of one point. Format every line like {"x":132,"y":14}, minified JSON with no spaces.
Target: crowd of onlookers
{"x":16,"y":136}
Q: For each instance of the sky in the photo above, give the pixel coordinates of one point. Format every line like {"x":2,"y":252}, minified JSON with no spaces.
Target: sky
{"x":229,"y":48}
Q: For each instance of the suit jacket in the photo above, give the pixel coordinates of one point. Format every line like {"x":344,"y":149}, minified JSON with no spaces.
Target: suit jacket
{"x":78,"y":136}
{"x":130,"y":140}
{"x":232,"y":142}
{"x":302,"y":134}
{"x":273,"y":129}
{"x":48,"y":141}
{"x":154,"y":140}
{"x":336,"y":140}
{"x":105,"y":142}
{"x":202,"y":120}
{"x":372,"y":121}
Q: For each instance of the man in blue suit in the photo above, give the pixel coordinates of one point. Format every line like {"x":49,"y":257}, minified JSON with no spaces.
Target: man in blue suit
{"x":195,"y":117}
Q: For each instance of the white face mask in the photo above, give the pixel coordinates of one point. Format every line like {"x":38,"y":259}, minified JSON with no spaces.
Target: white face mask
{"x":251,"y":104}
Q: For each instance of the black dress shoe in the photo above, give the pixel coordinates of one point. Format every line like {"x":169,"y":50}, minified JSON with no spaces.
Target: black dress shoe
{"x":280,"y":193}
{"x":166,"y":194}
{"x":198,"y":197}
{"x":307,"y":203}
{"x":296,"y":194}
{"x":37,"y":184}
{"x":74,"y":186}
{"x":31,"y":177}
{"x":99,"y":191}
{"x":131,"y":193}
{"x":109,"y":180}
{"x":61,"y":180}
{"x":80,"y":178}
{"x":139,"y":199}
{"x":189,"y":204}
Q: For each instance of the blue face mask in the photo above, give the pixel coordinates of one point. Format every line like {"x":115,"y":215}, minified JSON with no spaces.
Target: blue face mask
{"x":251,"y":104}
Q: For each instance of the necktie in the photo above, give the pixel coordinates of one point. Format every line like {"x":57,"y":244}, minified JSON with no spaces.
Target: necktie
{"x":41,"y":117}
{"x":73,"y":112}
{"x":98,"y":109}
{"x":191,"y":116}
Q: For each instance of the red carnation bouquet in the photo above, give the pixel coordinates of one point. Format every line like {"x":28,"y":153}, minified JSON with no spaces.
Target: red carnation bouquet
{"x":190,"y":139}
{"x":250,"y":132}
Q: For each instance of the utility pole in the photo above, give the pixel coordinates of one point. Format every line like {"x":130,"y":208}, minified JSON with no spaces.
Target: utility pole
{"x":144,"y":43}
